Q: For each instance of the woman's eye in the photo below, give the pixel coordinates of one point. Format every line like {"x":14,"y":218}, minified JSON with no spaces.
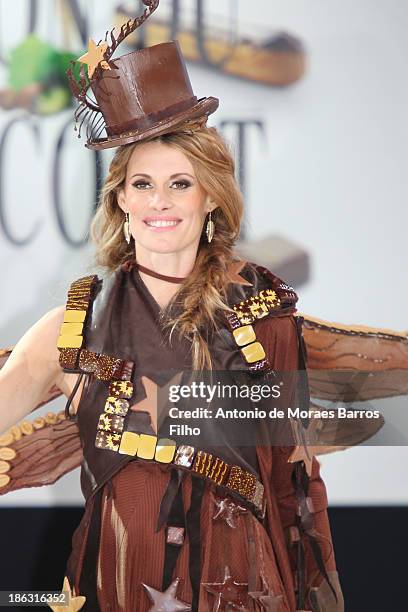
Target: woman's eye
{"x":139,"y":183}
{"x":184,"y":183}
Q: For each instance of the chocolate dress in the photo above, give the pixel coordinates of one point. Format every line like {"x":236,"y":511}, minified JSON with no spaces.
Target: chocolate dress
{"x":212,"y":551}
{"x":345,"y":363}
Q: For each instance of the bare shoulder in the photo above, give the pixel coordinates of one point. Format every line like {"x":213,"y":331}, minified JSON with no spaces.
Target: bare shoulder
{"x":40,"y":340}
{"x":35,"y":357}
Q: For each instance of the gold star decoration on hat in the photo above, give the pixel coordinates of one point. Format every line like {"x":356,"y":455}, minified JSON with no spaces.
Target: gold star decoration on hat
{"x":233,"y":271}
{"x":74,"y":602}
{"x":166,"y":600}
{"x":95,"y":56}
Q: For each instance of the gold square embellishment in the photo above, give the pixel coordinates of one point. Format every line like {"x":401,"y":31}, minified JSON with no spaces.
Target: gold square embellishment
{"x":165,"y":450}
{"x":129,"y":443}
{"x":253,"y":352}
{"x":147,"y":446}
{"x":244,"y":335}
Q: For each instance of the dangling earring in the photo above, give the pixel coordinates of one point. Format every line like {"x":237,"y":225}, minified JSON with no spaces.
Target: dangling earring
{"x":126,"y":228}
{"x":210,"y":228}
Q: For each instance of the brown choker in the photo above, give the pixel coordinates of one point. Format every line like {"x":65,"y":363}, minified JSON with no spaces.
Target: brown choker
{"x":170,"y":279}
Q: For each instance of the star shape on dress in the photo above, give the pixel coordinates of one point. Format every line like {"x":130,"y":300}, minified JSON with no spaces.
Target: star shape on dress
{"x":149,"y":403}
{"x":303,"y":453}
{"x":95,"y":56}
{"x":233,"y":271}
{"x":268,"y":600}
{"x":166,"y":601}
{"x":74,"y":602}
{"x":152,"y":403}
{"x":228,"y":511}
{"x":306,"y":451}
{"x":235,"y":594}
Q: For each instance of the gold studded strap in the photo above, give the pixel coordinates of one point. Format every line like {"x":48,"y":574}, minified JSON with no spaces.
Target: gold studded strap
{"x":277,"y":299}
{"x":74,"y":356}
{"x":71,"y":339}
{"x":111,"y":436}
{"x":285,"y":293}
{"x":251,"y":349}
{"x":257,"y":306}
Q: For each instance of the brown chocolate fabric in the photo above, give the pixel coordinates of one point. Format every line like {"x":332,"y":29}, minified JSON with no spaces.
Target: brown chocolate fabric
{"x":125,"y":324}
{"x":131,"y":552}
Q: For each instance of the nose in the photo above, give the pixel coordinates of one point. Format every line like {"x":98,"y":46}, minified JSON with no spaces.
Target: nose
{"x":159,"y":199}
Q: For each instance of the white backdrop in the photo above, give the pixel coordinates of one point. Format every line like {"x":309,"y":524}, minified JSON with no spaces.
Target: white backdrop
{"x":332,"y":178}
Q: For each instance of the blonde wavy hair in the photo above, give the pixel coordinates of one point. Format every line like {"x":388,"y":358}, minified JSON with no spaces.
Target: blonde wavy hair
{"x":203,"y":294}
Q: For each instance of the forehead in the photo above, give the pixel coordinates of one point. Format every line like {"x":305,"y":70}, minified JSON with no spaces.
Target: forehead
{"x":158,"y":158}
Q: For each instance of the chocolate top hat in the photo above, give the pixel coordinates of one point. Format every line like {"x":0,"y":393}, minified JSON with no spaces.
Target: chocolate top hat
{"x":138,"y":95}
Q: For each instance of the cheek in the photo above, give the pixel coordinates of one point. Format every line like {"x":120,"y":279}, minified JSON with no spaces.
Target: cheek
{"x":192,"y":209}
{"x":194,"y":220}
{"x":136,"y":202}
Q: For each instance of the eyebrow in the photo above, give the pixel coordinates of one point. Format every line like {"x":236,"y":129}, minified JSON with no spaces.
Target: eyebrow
{"x":172,"y":176}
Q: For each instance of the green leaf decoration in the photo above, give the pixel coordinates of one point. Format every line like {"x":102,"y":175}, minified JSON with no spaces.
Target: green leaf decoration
{"x":32,"y":61}
{"x":35,"y":61}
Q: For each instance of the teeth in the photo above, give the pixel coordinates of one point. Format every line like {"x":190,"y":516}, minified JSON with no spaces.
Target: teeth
{"x":161,"y":223}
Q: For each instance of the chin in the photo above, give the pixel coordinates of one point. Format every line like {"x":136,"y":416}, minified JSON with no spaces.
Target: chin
{"x":163,"y":246}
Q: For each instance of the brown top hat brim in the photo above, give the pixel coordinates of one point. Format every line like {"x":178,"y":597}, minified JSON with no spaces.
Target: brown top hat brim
{"x":204,"y":106}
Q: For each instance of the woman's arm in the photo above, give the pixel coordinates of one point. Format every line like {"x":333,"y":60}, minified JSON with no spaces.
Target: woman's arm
{"x":36,"y":452}
{"x":32,"y":370}
{"x":52,"y":393}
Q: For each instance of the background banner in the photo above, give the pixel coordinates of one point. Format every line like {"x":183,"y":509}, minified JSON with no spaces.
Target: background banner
{"x":313,"y":101}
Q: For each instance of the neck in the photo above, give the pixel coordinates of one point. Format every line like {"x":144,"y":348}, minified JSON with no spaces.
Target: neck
{"x":170,"y":279}
{"x":178,"y":265}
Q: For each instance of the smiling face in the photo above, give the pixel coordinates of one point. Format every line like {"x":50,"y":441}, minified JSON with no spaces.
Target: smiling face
{"x":166,"y":205}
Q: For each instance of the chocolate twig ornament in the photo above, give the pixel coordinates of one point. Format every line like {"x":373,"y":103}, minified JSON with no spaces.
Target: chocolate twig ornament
{"x":98,"y":58}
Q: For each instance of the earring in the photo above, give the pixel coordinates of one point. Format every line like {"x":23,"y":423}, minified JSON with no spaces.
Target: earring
{"x":126,"y":228}
{"x":210,"y":230}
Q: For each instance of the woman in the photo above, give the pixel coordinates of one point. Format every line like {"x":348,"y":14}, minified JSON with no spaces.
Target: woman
{"x":169,"y":524}
{"x":168,"y":186}
{"x":165,"y":188}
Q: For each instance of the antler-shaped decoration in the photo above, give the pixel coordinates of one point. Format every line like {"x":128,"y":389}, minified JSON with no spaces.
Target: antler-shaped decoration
{"x":88,"y":110}
{"x":129,"y":27}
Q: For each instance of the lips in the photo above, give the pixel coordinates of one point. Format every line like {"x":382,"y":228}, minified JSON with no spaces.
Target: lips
{"x":161,"y":222}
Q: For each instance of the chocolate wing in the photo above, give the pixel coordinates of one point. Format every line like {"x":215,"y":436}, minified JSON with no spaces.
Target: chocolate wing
{"x":37,"y":452}
{"x":352,"y":363}
{"x":355,"y":362}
